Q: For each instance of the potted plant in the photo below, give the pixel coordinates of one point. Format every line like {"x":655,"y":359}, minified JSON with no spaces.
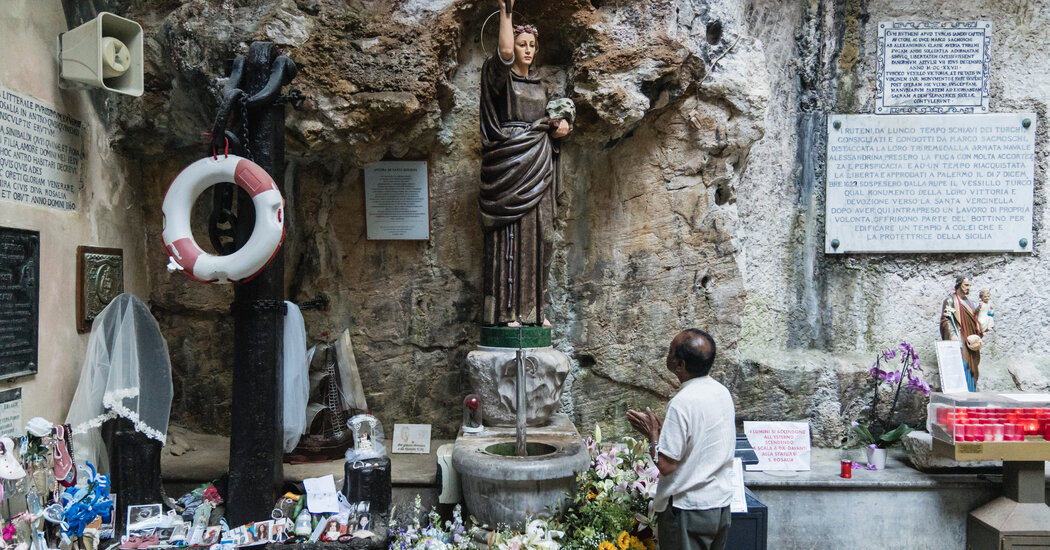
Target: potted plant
{"x":879,"y":432}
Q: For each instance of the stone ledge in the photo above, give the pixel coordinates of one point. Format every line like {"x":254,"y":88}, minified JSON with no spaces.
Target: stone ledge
{"x":206,"y":457}
{"x":825,"y":468}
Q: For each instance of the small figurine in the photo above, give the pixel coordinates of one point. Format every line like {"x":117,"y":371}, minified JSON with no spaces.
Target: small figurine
{"x":959,"y":322}
{"x":985,"y":315}
{"x":472,"y":415}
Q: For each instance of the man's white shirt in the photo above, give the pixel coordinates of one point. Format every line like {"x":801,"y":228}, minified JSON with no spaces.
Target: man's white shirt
{"x":699,"y":432}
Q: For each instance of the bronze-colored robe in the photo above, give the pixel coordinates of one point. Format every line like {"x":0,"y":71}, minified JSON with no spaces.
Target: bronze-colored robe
{"x":519,"y":170}
{"x":965,"y":322}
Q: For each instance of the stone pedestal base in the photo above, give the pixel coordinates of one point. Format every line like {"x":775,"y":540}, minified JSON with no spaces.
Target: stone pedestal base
{"x":492,"y":375}
{"x":499,"y":490}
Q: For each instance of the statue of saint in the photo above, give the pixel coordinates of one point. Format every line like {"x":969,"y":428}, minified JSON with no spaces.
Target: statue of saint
{"x":959,"y":322}
{"x":519,"y":177}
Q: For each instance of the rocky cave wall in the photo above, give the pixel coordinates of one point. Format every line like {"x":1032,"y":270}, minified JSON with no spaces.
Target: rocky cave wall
{"x":692,"y":197}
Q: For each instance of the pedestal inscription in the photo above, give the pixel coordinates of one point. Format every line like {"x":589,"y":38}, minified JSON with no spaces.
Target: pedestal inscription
{"x":933,"y":67}
{"x":40,"y":151}
{"x":19,"y":301}
{"x":930,"y":183}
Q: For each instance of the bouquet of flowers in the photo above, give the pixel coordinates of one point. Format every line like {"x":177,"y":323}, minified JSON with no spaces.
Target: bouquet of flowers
{"x":613,"y":508}
{"x":452,"y":535}
{"x":877,"y":433}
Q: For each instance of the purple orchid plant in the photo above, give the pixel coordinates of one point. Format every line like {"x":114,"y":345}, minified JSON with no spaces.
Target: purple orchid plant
{"x":909,"y":376}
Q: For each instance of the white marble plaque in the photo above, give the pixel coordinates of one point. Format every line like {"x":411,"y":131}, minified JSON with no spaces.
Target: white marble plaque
{"x":933,"y":67}
{"x":930,"y":183}
{"x":397,"y":202}
{"x":40,"y":152}
{"x":411,"y":438}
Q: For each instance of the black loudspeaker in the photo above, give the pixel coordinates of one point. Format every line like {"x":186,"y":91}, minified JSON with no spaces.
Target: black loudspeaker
{"x":369,"y":480}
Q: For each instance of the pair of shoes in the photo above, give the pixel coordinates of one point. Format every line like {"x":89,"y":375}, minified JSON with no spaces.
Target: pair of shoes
{"x":134,"y":541}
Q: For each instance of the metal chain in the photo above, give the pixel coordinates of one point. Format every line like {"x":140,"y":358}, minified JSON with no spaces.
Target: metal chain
{"x":244,"y":129}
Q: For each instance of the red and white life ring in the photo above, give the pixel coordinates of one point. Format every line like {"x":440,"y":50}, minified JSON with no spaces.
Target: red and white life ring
{"x":266,"y":237}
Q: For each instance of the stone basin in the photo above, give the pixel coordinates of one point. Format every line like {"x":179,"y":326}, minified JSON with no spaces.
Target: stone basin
{"x":502,"y":490}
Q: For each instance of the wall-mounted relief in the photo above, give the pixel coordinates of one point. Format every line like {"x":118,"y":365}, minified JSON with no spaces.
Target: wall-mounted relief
{"x":100,"y":278}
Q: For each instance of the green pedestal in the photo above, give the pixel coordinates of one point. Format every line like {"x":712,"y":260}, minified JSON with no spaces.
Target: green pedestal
{"x":509,"y":337}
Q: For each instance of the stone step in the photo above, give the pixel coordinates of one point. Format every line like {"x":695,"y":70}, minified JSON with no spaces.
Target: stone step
{"x":206,"y":457}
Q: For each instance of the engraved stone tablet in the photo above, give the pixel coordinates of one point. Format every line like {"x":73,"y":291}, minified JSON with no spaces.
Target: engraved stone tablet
{"x":933,"y":67}
{"x":40,"y":151}
{"x":930,"y":183}
{"x":19,"y":301}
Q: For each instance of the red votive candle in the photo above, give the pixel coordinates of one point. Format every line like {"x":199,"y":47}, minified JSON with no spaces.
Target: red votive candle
{"x":941,"y":415}
{"x":846,"y":471}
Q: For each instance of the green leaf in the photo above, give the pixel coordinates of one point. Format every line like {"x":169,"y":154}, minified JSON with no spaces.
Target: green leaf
{"x":894,"y":435}
{"x":864,"y":434}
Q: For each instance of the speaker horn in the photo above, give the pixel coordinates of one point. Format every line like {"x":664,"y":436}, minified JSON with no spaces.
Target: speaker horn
{"x":105,"y":52}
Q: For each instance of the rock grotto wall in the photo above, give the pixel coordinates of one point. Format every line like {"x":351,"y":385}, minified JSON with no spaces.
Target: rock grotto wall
{"x":663,"y":222}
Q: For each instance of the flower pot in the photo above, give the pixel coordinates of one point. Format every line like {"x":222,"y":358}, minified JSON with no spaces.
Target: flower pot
{"x":876,"y":458}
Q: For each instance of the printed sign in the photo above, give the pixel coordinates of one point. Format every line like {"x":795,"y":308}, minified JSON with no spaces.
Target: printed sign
{"x":411,"y":438}
{"x":11,"y":411}
{"x":779,"y":445}
{"x":397,"y":201}
{"x":40,"y":152}
{"x":739,"y":503}
{"x":950,"y":365}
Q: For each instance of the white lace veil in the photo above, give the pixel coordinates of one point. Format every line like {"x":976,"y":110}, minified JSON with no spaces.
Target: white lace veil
{"x":126,"y":373}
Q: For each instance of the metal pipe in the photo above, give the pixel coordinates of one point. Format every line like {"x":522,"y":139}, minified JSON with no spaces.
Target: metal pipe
{"x":519,"y":401}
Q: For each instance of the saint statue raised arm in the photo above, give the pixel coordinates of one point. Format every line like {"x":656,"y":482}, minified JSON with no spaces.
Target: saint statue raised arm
{"x":520,"y":129}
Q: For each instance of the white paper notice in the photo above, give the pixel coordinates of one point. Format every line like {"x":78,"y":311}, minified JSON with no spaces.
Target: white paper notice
{"x":321,"y":495}
{"x":739,"y":503}
{"x":411,"y":438}
{"x":11,"y":411}
{"x":779,"y":445}
{"x":950,"y":363}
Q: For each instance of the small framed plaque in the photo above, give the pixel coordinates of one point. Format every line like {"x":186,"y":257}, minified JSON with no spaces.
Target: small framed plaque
{"x":397,"y":201}
{"x":100,"y":278}
{"x":411,"y":438}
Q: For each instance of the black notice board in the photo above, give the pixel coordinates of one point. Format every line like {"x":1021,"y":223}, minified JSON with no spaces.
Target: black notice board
{"x":19,"y":301}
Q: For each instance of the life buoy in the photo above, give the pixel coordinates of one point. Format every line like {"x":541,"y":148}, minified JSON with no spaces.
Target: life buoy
{"x":267,"y":235}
